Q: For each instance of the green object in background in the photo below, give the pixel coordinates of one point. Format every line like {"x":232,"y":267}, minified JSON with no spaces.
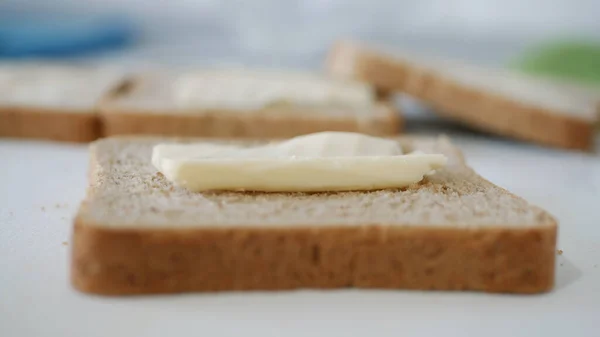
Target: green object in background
{"x":576,"y":61}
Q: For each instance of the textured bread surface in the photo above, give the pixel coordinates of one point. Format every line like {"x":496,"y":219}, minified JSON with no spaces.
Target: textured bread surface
{"x":496,"y":101}
{"x":136,"y":233}
{"x":54,"y":102}
{"x":143,"y":109}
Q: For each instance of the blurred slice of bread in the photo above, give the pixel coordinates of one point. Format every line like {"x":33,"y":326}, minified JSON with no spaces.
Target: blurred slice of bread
{"x":52,"y":101}
{"x":242,"y":103}
{"x":496,"y":101}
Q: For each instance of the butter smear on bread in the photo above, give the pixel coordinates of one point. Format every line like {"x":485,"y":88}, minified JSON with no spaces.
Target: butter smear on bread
{"x":327,"y":161}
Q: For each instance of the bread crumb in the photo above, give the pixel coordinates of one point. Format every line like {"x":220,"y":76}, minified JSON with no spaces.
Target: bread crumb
{"x":559,"y":252}
{"x":65,"y":243}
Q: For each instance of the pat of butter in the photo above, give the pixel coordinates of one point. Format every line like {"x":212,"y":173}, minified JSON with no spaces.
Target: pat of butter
{"x":328,"y":161}
{"x":258,"y":89}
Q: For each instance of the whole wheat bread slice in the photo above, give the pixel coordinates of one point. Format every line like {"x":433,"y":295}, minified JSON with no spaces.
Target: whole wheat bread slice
{"x":136,"y":233}
{"x":149,"y":107}
{"x":52,"y":101}
{"x":497,"y":101}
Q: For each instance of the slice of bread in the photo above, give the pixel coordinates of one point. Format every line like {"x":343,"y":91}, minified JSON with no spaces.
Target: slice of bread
{"x":497,"y":101}
{"x":136,"y":233}
{"x":53,"y":102}
{"x":221,"y":104}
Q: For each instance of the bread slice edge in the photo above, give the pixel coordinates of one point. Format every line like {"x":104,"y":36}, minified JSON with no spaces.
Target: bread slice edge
{"x":49,"y":124}
{"x":472,"y":106}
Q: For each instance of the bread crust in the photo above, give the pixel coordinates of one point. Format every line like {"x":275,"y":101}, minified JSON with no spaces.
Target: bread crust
{"x":276,"y":122}
{"x":477,"y":108}
{"x":129,"y":262}
{"x":140,"y":260}
{"x":49,"y":124}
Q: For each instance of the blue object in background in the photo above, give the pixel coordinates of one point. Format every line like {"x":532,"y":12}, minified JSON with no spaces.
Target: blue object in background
{"x":56,"y":36}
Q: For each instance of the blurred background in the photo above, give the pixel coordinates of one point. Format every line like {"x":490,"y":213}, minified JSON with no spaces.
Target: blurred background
{"x":547,"y":37}
{"x":284,"y":32}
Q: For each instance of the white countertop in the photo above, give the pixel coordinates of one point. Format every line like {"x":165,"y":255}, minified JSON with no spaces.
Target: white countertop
{"x":41,"y":185}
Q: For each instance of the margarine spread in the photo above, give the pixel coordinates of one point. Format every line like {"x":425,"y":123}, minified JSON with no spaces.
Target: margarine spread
{"x":258,"y":89}
{"x":327,"y":161}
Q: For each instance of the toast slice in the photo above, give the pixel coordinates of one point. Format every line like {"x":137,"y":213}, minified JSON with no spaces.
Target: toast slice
{"x":53,"y":102}
{"x":228,"y":103}
{"x":136,"y":233}
{"x":496,"y":101}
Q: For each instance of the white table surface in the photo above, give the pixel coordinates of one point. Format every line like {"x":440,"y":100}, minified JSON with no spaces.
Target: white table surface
{"x":41,"y":185}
